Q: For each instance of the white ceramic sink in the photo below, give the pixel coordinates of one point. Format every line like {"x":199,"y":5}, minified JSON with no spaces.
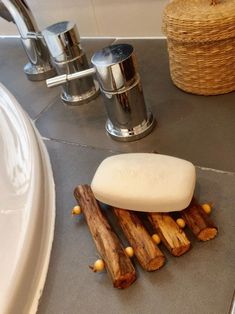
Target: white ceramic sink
{"x":27,"y":210}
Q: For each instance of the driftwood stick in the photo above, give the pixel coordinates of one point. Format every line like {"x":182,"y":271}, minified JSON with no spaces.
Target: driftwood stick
{"x":199,"y":222}
{"x":170,"y":233}
{"x":118,"y":264}
{"x":146,"y":251}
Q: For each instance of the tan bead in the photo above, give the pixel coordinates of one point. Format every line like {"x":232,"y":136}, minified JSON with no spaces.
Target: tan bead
{"x":156,"y":238}
{"x":129,"y":251}
{"x":76,"y":210}
{"x":206,"y":208}
{"x":98,"y":265}
{"x":180,"y":222}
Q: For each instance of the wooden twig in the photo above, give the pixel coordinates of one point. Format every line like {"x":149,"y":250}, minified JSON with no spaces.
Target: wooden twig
{"x":199,"y":222}
{"x":117,"y":263}
{"x":146,"y":251}
{"x":170,"y":233}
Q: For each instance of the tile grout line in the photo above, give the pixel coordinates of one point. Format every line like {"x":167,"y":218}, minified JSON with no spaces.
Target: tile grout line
{"x":96,"y":19}
{"x":216,"y":170}
{"x":78,"y":144}
{"x":121,"y":152}
{"x":45,"y":109}
{"x":98,"y":37}
{"x":142,"y":38}
{"x":114,"y":40}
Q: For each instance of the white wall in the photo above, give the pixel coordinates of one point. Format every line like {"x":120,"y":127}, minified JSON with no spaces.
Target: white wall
{"x":120,"y":18}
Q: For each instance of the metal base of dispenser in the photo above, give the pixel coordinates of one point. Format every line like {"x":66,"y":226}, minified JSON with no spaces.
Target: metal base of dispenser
{"x":136,"y":133}
{"x":81,"y":99}
{"x":38,"y":73}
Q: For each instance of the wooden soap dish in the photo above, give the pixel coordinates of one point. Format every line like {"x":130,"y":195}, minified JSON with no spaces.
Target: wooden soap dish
{"x":117,"y":262}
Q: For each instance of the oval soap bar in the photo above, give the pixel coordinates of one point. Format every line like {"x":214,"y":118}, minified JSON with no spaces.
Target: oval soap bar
{"x":145,"y":182}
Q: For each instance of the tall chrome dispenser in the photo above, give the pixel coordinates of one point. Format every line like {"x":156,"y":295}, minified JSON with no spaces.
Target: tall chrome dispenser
{"x":119,"y":80}
{"x":63,"y":42}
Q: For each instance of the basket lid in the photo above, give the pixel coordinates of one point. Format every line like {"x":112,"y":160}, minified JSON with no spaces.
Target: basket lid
{"x":199,"y":20}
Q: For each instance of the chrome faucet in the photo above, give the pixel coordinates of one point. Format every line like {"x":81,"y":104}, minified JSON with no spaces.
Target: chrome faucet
{"x":68,"y":56}
{"x":115,"y":68}
{"x":39,"y":66}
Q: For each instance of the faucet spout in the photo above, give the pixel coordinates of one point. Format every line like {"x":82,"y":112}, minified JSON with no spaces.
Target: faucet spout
{"x":4,"y":13}
{"x":39,"y":66}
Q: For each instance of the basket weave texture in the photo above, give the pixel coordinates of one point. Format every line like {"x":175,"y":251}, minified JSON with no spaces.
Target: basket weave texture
{"x":201,"y":45}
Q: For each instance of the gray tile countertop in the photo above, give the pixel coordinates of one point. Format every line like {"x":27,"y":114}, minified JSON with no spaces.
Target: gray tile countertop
{"x":196,"y":128}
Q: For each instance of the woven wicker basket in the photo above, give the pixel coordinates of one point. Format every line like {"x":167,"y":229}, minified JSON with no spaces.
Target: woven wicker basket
{"x":201,"y":45}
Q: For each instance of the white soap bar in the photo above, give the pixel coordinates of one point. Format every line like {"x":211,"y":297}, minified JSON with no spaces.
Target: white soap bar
{"x":145,"y":182}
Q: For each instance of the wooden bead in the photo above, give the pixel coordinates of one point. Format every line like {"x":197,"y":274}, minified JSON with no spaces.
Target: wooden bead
{"x":180,"y":222}
{"x":98,"y":265}
{"x":129,"y":251}
{"x":206,"y":208}
{"x":76,"y":210}
{"x":156,"y":238}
